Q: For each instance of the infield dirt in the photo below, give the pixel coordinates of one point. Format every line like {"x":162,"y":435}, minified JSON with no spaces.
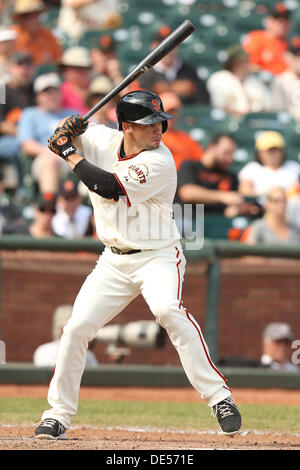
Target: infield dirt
{"x":96,"y":438}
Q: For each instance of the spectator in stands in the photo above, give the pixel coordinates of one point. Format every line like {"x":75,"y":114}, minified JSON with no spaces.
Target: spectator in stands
{"x":105,"y":59}
{"x":235,"y":89}
{"x":273,"y":227}
{"x":7,"y":40}
{"x":76,"y":68}
{"x":267,"y":47}
{"x":76,"y":17}
{"x":276,"y":347}
{"x":73,"y":218}
{"x":45,"y":354}
{"x":286,"y":86}
{"x":211,"y":182}
{"x":32,"y":36}
{"x":18,"y":95}
{"x":270,"y":168}
{"x":99,"y":88}
{"x":44,"y":212}
{"x":37,"y":123}
{"x":173,"y":74}
{"x":182,"y":146}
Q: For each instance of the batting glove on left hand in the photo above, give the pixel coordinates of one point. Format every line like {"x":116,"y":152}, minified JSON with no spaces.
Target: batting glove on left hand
{"x":61,"y":143}
{"x":75,"y":125}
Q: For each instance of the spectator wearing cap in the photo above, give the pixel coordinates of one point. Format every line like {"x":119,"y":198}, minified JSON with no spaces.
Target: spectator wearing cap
{"x":98,"y":89}
{"x":270,"y":168}
{"x":19,"y":94}
{"x":267,"y":47}
{"x":73,"y":217}
{"x":180,"y":143}
{"x":7,"y":40}
{"x":76,"y":68}
{"x":105,"y":59}
{"x":173,"y":74}
{"x":37,"y":123}
{"x":235,"y":89}
{"x":276,"y":347}
{"x":32,"y":36}
{"x":273,"y":227}
{"x":44,"y":211}
{"x":76,"y":17}
{"x":286,"y":86}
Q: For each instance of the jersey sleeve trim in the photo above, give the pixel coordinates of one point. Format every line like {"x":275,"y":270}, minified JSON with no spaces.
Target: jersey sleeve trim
{"x":123,"y":189}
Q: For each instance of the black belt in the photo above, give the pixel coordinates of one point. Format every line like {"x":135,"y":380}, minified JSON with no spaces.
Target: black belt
{"x":117,"y":251}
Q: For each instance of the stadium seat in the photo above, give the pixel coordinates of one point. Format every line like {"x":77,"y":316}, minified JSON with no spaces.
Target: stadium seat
{"x":242,"y":156}
{"x":223,"y":37}
{"x":293,"y":141}
{"x":90,"y":39}
{"x":268,"y":4}
{"x":132,"y":52}
{"x":46,"y":68}
{"x":200,"y":54}
{"x":218,"y":227}
{"x":267,"y":121}
{"x":203,"y":121}
{"x":179,"y":12}
{"x":154,"y":11}
{"x":245,"y":24}
{"x":50,"y":16}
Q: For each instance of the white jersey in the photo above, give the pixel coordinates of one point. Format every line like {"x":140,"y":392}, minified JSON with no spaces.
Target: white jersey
{"x":144,"y":218}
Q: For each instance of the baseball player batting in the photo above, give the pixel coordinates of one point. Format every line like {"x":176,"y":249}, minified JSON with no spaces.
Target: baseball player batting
{"x":131,"y":174}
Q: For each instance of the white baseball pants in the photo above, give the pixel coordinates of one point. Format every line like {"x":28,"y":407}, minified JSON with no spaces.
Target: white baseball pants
{"x":112,"y":285}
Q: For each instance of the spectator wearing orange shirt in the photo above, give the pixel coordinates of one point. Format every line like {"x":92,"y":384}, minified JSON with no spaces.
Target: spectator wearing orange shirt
{"x":32,"y":37}
{"x":181,"y":145}
{"x":267,"y":47}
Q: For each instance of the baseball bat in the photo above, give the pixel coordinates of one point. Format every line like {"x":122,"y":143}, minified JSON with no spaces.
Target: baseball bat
{"x":168,"y":44}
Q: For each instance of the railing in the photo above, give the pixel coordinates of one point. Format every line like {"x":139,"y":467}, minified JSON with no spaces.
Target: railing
{"x":211,"y":253}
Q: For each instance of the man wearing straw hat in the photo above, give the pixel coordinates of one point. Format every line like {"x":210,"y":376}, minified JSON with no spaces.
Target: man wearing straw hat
{"x":32,"y":37}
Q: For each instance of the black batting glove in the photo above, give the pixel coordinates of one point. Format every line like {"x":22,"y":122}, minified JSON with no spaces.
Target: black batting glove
{"x":75,"y":125}
{"x":61,"y":143}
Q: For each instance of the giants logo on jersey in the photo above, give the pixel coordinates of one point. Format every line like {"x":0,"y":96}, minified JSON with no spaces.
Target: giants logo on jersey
{"x":138,"y":173}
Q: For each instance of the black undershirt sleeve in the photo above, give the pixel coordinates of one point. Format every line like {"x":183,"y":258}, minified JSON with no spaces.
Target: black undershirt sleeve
{"x":99,"y":181}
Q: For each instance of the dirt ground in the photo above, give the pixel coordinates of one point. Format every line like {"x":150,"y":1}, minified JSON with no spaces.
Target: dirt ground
{"x":96,"y":438}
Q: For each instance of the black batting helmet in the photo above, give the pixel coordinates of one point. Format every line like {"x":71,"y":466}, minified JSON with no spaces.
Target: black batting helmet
{"x":142,"y":107}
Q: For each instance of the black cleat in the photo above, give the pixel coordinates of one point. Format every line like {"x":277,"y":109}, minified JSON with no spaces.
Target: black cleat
{"x":228,"y":416}
{"x":50,"y":429}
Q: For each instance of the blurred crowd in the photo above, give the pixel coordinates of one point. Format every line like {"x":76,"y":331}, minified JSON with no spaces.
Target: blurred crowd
{"x":44,"y":80}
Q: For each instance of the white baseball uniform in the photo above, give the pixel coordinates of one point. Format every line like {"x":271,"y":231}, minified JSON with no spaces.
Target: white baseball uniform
{"x":149,"y":181}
